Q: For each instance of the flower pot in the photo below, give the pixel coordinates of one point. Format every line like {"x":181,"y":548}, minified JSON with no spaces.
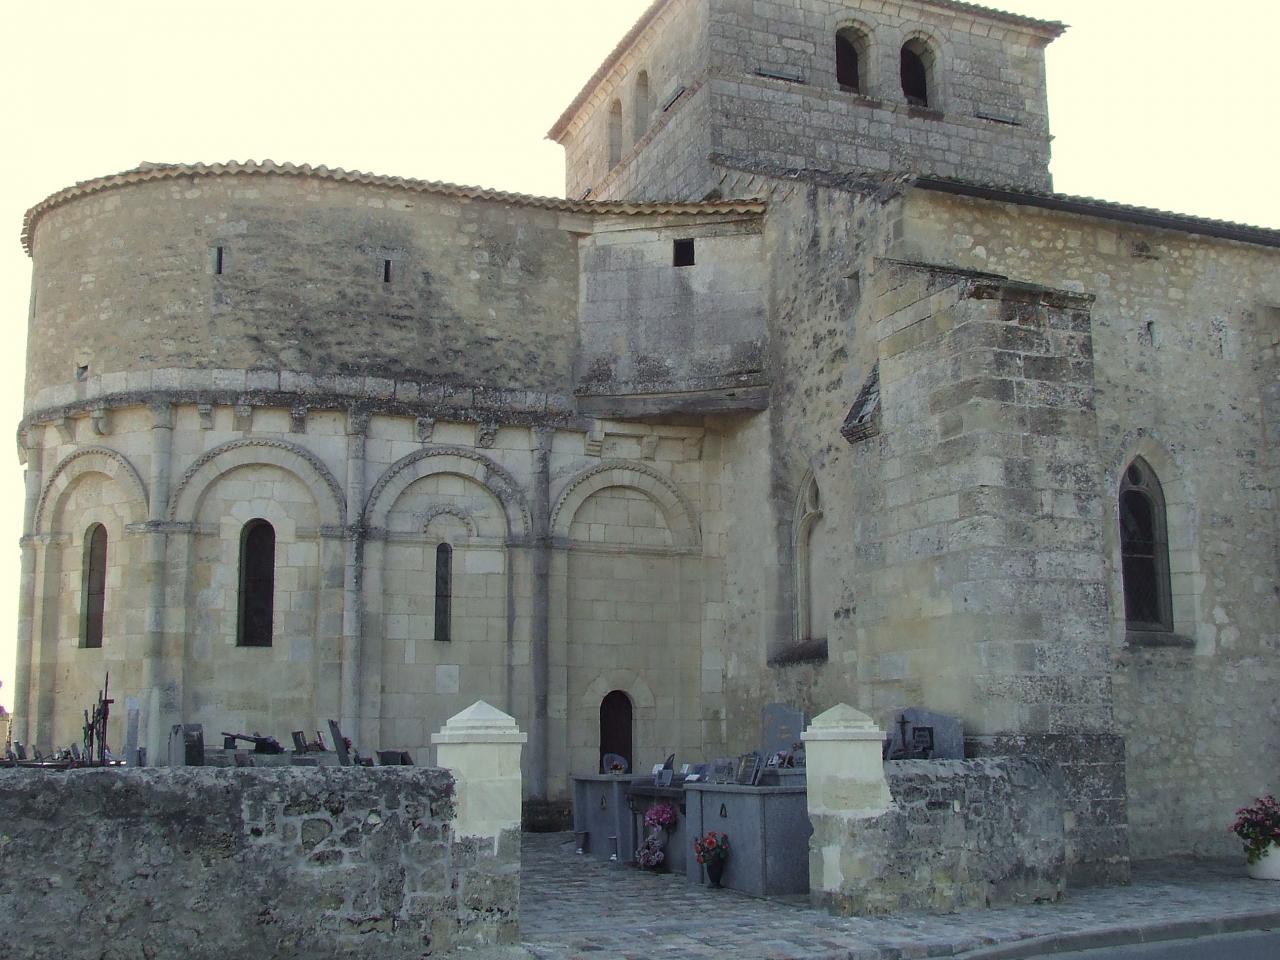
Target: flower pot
{"x":715,"y":870}
{"x":1268,"y":866}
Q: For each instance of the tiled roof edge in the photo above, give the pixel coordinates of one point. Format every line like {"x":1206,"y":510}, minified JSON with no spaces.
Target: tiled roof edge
{"x":1108,"y":210}
{"x":172,"y":171}
{"x":1052,"y":28}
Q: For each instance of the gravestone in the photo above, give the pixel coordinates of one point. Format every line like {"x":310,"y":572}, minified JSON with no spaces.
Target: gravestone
{"x":186,"y":745}
{"x":782,"y":728}
{"x":749,"y":765}
{"x":925,"y":735}
{"x":339,"y":744}
{"x":131,"y":731}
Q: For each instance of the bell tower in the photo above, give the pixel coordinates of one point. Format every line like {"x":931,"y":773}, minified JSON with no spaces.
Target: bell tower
{"x":938,"y":88}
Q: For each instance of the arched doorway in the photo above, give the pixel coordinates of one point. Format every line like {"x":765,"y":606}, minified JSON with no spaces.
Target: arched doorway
{"x":615,"y":728}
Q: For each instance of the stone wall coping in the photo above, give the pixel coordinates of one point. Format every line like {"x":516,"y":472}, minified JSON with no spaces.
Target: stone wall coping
{"x":843,"y":733}
{"x":843,"y":722}
{"x":480,"y":723}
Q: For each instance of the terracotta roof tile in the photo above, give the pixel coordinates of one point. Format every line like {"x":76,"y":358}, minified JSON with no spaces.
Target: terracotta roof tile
{"x":170,"y":171}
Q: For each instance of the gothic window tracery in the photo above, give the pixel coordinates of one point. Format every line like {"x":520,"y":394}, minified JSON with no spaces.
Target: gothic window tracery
{"x":812,"y":572}
{"x":1144,"y":550}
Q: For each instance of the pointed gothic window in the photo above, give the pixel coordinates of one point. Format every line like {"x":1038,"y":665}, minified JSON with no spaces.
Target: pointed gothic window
{"x":813,"y":585}
{"x":257,"y":584}
{"x":1144,"y":550}
{"x":94,"y":585}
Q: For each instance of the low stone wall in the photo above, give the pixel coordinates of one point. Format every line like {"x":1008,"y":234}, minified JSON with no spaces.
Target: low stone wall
{"x":959,"y":833}
{"x":280,"y":863}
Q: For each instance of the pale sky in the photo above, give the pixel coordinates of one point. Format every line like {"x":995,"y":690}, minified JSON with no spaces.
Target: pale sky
{"x":1162,"y":103}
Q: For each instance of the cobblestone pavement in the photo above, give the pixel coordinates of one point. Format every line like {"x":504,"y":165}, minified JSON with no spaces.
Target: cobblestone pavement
{"x":576,"y":907}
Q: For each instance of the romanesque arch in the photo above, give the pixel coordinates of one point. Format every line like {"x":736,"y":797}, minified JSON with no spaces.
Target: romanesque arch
{"x":302,"y":463}
{"x":87,"y":460}
{"x":676,"y":509}
{"x":456,"y":460}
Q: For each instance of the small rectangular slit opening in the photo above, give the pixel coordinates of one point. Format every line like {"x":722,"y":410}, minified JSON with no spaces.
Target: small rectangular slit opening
{"x":217,"y":261}
{"x":682,"y":253}
{"x":386,"y":271}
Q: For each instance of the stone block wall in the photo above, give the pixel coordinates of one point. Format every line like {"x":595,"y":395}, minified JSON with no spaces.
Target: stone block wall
{"x":959,"y":834}
{"x":1183,"y":336}
{"x":663,"y":143}
{"x":635,"y":303}
{"x":777,"y":99}
{"x":204,"y":863}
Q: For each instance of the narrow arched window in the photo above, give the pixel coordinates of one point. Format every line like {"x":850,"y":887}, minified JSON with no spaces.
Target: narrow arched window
{"x":851,"y":52}
{"x":94,"y":585}
{"x":1144,"y":550}
{"x":444,"y":592}
{"x":644,"y":105}
{"x":917,"y":60}
{"x":257,"y":584}
{"x":615,"y":134}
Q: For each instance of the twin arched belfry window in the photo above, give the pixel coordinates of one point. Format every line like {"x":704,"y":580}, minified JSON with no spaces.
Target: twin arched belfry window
{"x":1144,"y":550}
{"x":916,"y":66}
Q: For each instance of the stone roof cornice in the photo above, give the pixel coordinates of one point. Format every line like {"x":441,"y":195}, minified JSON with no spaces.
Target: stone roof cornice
{"x":149,"y":172}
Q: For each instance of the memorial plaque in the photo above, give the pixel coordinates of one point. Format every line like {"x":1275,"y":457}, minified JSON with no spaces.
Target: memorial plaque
{"x":299,"y":742}
{"x":186,"y":745}
{"x":925,"y":735}
{"x":722,"y":770}
{"x":782,"y":728}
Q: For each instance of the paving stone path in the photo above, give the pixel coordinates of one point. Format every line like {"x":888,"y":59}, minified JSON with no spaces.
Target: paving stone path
{"x":575,"y":907}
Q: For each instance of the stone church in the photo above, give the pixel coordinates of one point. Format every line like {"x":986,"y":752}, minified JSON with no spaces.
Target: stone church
{"x":812,"y":390}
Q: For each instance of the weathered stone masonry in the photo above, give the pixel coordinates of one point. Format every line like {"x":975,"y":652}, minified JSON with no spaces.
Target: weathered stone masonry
{"x":645,"y":468}
{"x":205,"y":862}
